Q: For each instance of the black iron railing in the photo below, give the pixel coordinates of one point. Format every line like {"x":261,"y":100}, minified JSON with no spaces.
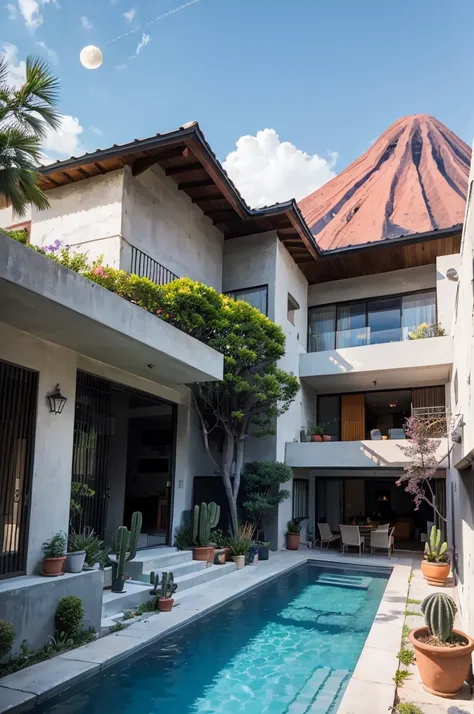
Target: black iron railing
{"x":146,"y":267}
{"x":18,"y":398}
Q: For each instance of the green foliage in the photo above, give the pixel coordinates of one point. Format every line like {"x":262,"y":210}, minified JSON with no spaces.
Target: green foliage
{"x":20,"y":234}
{"x":183,"y":537}
{"x":439,"y":610}
{"x":410,"y":601}
{"x":55,"y":547}
{"x":117,"y":627}
{"x":261,"y":492}
{"x":69,"y":614}
{"x":293,"y":526}
{"x":220,"y":539}
{"x":424,"y":330}
{"x":125,"y":546}
{"x":406,"y":656}
{"x":405,"y":632}
{"x":400,"y":676}
{"x":26,"y":114}
{"x":435,"y":551}
{"x":87,"y":540}
{"x":205,"y":517}
{"x":61,"y":642}
{"x":407,"y":708}
{"x":79,"y":490}
{"x":317,"y":430}
{"x":412,"y":613}
{"x":239,"y":545}
{"x":7,"y":636}
{"x":166,"y":588}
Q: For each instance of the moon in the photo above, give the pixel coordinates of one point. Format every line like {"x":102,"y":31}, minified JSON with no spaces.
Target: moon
{"x":91,"y":57}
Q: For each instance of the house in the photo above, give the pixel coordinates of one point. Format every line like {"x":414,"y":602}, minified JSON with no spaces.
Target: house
{"x":347,"y":294}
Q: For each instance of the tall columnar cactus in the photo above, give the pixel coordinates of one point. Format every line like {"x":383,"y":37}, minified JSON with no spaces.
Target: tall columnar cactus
{"x":435,"y":551}
{"x":206,"y":517}
{"x":166,"y":588}
{"x":125,"y":546}
{"x":439,"y":610}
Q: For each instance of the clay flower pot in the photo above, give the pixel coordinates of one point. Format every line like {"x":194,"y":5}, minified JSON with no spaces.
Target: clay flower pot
{"x":204,"y":553}
{"x":435,"y":573}
{"x":316,"y":437}
{"x":326,"y":437}
{"x":239,"y":560}
{"x":165,"y":604}
{"x":52,"y":567}
{"x":443,"y":670}
{"x":292,"y":541}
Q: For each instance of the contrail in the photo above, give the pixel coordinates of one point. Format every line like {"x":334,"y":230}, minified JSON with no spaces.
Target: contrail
{"x":152,"y":22}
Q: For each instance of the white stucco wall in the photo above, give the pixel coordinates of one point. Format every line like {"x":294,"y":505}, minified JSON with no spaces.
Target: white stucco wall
{"x":446,"y":290}
{"x":164,"y":223}
{"x":367,"y":286}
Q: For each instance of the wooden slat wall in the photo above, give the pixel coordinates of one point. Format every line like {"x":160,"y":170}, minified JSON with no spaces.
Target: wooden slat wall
{"x":428,"y":397}
{"x":352,"y":417}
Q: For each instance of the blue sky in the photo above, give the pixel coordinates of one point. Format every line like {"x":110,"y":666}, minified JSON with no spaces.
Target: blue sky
{"x":327,"y":75}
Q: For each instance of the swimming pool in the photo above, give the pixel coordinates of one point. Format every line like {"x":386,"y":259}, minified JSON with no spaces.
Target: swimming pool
{"x":288,"y":647}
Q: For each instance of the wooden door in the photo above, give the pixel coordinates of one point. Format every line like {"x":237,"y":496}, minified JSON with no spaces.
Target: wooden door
{"x":352,"y":417}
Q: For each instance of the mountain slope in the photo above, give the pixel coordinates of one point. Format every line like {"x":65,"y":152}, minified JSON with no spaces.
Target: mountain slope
{"x":411,"y":180}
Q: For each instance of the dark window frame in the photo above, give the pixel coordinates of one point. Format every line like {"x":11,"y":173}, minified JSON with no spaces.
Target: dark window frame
{"x":303,"y":513}
{"x":365,"y":301}
{"x":235,"y":294}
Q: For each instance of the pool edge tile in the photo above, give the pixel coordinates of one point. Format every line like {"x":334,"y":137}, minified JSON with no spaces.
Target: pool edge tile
{"x":50,"y":677}
{"x":12,"y":701}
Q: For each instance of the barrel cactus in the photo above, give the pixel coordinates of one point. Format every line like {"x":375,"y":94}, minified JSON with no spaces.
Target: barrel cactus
{"x":206,"y":517}
{"x":439,"y":610}
{"x":125,"y":546}
{"x":435,"y":551}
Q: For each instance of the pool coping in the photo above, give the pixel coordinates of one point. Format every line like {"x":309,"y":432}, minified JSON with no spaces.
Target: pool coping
{"x":371,"y":683}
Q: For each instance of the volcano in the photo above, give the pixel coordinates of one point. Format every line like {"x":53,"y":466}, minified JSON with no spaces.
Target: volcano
{"x":413,"y":179}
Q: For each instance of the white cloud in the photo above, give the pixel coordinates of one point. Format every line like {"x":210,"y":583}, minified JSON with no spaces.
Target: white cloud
{"x":53,"y":56}
{"x":86,"y":23}
{"x":143,"y":43}
{"x":66,"y":141}
{"x":30,"y":10}
{"x":130,"y":14}
{"x":267,"y":170}
{"x":17,"y":68}
{"x":121,"y":66}
{"x":12,"y":11}
{"x":95,"y":130}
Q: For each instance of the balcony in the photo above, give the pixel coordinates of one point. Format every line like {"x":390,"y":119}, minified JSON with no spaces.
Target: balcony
{"x":354,"y":454}
{"x":409,"y":363}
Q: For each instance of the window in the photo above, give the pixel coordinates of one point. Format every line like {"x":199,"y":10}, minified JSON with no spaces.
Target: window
{"x":300,"y":498}
{"x":292,"y":307}
{"x":370,"y":322}
{"x":257,"y":297}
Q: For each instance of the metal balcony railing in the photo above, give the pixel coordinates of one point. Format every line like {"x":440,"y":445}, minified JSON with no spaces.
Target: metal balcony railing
{"x":146,"y":267}
{"x":435,"y":419}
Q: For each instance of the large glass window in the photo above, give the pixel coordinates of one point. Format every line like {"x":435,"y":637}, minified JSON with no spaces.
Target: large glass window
{"x":257,"y":297}
{"x":300,"y":498}
{"x":371,"y":322}
{"x":329,"y":414}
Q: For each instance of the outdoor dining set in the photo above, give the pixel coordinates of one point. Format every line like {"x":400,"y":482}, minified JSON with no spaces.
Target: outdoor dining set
{"x":361,"y":537}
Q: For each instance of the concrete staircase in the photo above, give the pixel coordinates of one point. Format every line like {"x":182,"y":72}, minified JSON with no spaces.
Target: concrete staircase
{"x":187,"y":574}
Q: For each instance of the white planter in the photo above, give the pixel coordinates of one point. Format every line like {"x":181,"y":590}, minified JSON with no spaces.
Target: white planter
{"x":239,"y":560}
{"x":75,"y":561}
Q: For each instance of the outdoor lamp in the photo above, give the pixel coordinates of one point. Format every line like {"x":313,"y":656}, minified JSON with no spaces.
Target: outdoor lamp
{"x":56,"y":401}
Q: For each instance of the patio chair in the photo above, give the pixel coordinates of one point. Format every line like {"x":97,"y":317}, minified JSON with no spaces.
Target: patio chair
{"x":396,"y":434}
{"x":351,"y":537}
{"x":311,"y":539}
{"x":375,"y":434}
{"x":383,"y":527}
{"x":382,"y":539}
{"x":327,"y":536}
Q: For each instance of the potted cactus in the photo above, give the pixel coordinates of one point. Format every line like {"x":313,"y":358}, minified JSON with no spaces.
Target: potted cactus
{"x":435,"y":566}
{"x":125,"y":549}
{"x":443,"y":654}
{"x":163,"y":590}
{"x":205,"y":517}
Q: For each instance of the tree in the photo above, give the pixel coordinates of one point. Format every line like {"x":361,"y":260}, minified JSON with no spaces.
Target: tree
{"x":261,"y":489}
{"x":422,"y":464}
{"x":252,"y":394}
{"x":26,"y":113}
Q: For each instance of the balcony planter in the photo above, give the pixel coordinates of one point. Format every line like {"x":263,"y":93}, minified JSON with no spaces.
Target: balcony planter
{"x":75,"y":561}
{"x":316,"y":437}
{"x":435,"y":573}
{"x":443,"y":670}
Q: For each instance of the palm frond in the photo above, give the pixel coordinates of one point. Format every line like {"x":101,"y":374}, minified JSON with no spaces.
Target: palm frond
{"x":17,"y":141}
{"x":19,"y":187}
{"x":4,"y":72}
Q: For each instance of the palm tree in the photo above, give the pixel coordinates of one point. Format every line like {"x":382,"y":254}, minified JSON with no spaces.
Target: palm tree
{"x":26,"y":114}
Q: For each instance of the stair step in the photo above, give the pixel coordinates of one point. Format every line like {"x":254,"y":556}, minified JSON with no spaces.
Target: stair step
{"x":349,"y":581}
{"x":156,"y":559}
{"x":304,"y":699}
{"x":178,"y":569}
{"x":203,"y":576}
{"x":329,"y":692}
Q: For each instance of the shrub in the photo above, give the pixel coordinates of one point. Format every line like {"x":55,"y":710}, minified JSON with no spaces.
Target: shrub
{"x":183,"y":537}
{"x":7,"y":635}
{"x":262,"y":492}
{"x":55,"y":547}
{"x":69,"y":614}
{"x":407,"y":708}
{"x":87,"y":540}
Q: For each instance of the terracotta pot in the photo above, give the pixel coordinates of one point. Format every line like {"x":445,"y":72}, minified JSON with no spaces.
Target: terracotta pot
{"x":239,"y":560}
{"x":316,"y":437}
{"x":326,"y":437}
{"x":204,"y":553}
{"x":435,"y":573}
{"x":292,"y":541}
{"x":165,"y":604}
{"x":443,"y":670}
{"x":52,"y":567}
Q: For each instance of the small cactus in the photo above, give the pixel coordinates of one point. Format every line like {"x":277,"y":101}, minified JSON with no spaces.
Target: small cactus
{"x":439,"y":610}
{"x":206,"y":517}
{"x":435,"y":551}
{"x":125,"y":546}
{"x":166,"y":588}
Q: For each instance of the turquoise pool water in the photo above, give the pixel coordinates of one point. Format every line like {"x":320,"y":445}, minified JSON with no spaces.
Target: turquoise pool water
{"x":288,"y":647}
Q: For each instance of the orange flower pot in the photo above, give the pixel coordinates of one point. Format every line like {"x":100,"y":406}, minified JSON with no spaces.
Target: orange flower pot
{"x":165,"y":604}
{"x":443,"y":670}
{"x":292,"y":541}
{"x":204,"y":553}
{"x":435,"y":573}
{"x":52,"y":567}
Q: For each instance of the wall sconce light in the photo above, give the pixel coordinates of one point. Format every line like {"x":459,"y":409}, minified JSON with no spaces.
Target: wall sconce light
{"x":452,"y":274}
{"x":56,"y":401}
